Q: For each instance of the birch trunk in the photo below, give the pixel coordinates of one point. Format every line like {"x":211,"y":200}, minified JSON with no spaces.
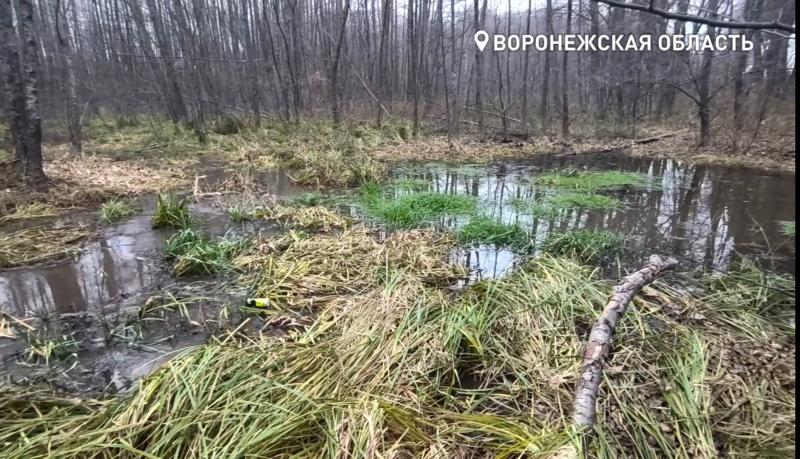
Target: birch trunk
{"x":599,"y":343}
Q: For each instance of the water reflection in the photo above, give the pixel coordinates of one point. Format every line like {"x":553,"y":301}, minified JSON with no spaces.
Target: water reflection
{"x":704,"y":215}
{"x":120,"y":263}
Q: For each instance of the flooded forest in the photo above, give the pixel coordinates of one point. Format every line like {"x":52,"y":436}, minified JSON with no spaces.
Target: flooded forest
{"x":361,"y":229}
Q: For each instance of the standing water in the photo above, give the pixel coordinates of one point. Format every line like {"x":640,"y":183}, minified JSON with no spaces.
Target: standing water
{"x":706,"y":216}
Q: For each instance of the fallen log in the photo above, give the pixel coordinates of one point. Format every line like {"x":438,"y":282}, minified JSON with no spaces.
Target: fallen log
{"x":657,"y":138}
{"x":597,"y":347}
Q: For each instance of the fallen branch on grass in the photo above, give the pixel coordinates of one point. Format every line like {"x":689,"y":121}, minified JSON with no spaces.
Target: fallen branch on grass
{"x":599,"y":343}
{"x":657,"y":138}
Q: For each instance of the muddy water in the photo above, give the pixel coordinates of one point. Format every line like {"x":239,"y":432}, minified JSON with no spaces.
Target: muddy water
{"x":706,"y":216}
{"x":90,"y":299}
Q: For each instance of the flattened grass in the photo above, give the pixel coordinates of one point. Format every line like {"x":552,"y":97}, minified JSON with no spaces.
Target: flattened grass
{"x":312,"y":218}
{"x":343,"y":263}
{"x":32,"y":210}
{"x":401,"y":369}
{"x":35,"y":245}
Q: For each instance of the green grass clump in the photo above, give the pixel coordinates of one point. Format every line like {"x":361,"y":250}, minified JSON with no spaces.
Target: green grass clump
{"x":788,"y":228}
{"x":192,"y":253}
{"x":115,"y":210}
{"x":584,"y":201}
{"x":484,"y":230}
{"x":310,"y":199}
{"x":592,"y":180}
{"x":584,"y":245}
{"x":414,"y":209}
{"x":240,"y":214}
{"x":171,"y":211}
{"x":411,"y":185}
{"x":41,"y":349}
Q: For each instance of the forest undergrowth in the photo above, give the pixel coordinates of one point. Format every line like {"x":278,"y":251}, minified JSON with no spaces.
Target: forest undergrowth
{"x":389,"y":351}
{"x":392,"y":363}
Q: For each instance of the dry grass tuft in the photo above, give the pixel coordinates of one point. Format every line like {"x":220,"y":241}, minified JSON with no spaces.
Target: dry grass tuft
{"x":32,"y":210}
{"x":312,"y":218}
{"x":294,"y":269}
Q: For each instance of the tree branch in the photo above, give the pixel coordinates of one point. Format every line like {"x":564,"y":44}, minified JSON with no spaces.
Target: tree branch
{"x":699,"y":20}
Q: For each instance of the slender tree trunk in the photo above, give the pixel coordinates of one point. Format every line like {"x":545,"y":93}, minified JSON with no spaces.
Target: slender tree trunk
{"x":64,"y":37}
{"x":704,"y":87}
{"x":32,"y":165}
{"x":565,"y":80}
{"x":14,"y":92}
{"x":525,"y":76}
{"x":545,"y":107}
{"x":479,"y":73}
{"x":336,"y":108}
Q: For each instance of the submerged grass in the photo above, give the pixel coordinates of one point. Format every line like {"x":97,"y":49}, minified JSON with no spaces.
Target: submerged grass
{"x":584,"y":245}
{"x":400,"y":369}
{"x":485,"y":230}
{"x":584,"y":201}
{"x":592,"y":180}
{"x":34,"y":245}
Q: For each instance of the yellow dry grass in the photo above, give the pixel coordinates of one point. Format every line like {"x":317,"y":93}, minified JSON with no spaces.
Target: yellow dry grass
{"x":316,"y":218}
{"x":122,"y":177}
{"x":34,"y":245}
{"x":292,"y":269}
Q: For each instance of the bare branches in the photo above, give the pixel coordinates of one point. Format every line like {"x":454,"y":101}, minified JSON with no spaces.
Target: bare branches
{"x":699,"y":20}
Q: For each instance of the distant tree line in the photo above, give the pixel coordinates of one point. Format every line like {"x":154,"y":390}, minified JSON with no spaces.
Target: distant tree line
{"x":196,"y":61}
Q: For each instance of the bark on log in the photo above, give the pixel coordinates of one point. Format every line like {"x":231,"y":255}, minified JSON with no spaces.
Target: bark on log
{"x":598,"y":345}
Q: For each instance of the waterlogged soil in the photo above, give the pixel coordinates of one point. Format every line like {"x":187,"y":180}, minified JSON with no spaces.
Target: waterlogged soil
{"x":92,"y":303}
{"x":706,"y":216}
{"x":89,"y":305}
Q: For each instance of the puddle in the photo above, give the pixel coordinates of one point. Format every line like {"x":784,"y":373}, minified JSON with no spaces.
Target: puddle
{"x":703,"y":215}
{"x":90,"y":297}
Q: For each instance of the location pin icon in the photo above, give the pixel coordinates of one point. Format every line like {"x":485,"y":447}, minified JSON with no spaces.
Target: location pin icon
{"x":481,"y":39}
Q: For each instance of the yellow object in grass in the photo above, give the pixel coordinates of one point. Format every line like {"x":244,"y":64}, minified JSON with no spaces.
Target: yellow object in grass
{"x":258,"y":302}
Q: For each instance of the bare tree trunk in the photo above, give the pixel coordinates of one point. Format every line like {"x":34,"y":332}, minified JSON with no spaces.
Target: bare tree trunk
{"x":384,"y":78}
{"x":545,"y":107}
{"x":479,"y":73}
{"x":14,"y":93}
{"x":704,"y":87}
{"x":525,"y":77}
{"x":413,"y":64}
{"x":336,"y":108}
{"x":32,"y":164}
{"x":597,"y":347}
{"x":64,"y":37}
{"x":565,"y":80}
